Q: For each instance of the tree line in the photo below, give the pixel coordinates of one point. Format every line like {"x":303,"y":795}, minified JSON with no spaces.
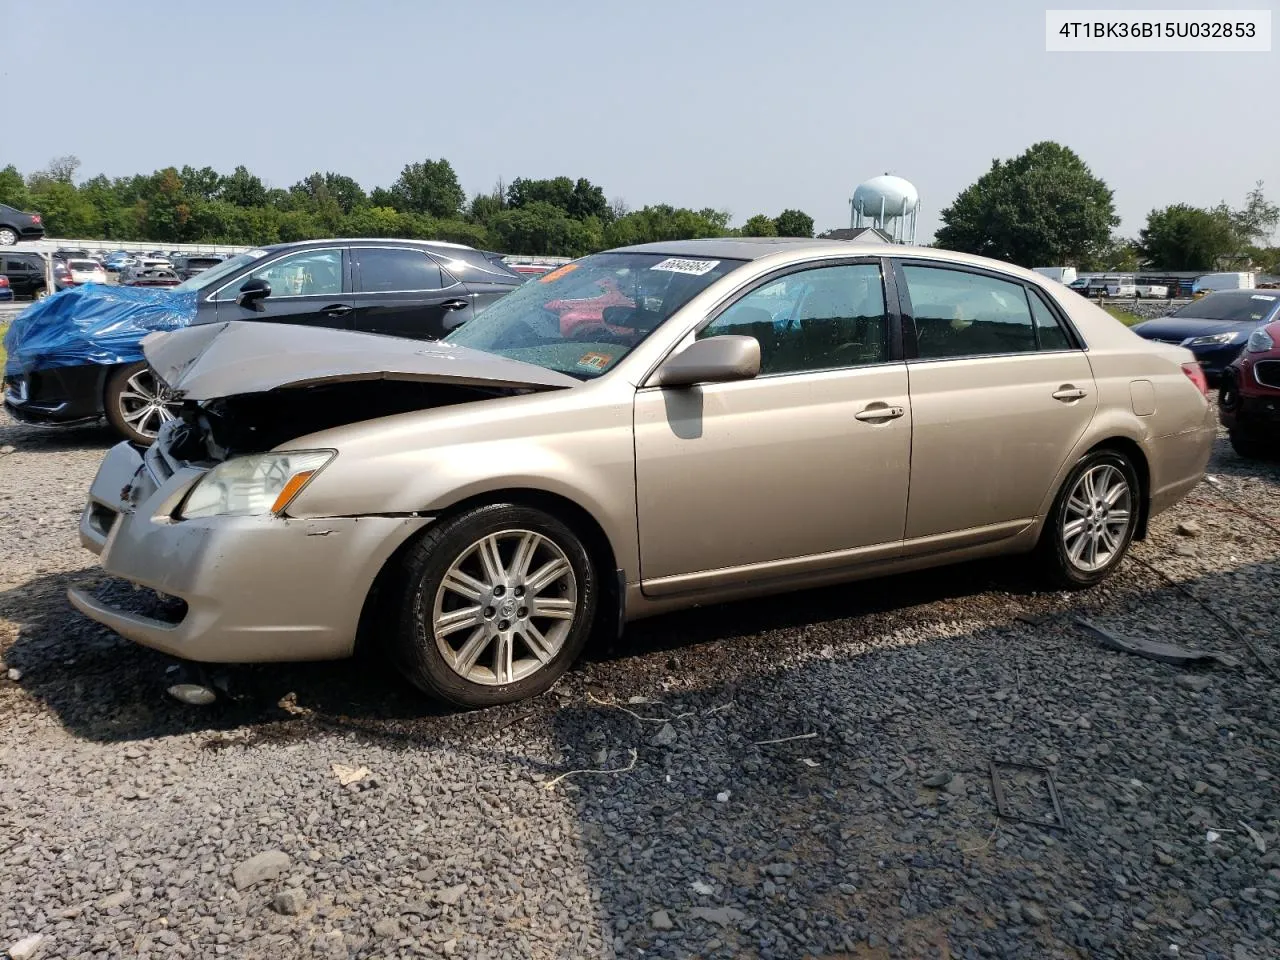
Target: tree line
{"x":1043,"y":208}
{"x":560,"y":216}
{"x":1046,"y":208}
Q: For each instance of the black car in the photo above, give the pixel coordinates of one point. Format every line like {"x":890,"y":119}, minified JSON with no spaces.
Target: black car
{"x":406,"y":288}
{"x":187,"y":266}
{"x":1216,"y":327}
{"x":16,"y":225}
{"x":25,"y":272}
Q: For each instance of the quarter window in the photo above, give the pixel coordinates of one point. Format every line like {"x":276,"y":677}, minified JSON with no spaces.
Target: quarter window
{"x":1049,"y":332}
{"x":961,"y":314}
{"x":308,"y":273}
{"x":820,"y":319}
{"x":390,"y":270}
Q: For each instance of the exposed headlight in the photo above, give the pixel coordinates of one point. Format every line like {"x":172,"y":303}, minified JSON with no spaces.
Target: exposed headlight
{"x":246,"y":486}
{"x":1260,"y":341}
{"x":1213,"y":338}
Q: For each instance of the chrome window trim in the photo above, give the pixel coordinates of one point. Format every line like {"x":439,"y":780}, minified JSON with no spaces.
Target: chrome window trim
{"x":266,"y":263}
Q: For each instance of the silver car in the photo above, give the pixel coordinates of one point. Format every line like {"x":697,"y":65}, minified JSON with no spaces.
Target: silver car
{"x":639,"y":431}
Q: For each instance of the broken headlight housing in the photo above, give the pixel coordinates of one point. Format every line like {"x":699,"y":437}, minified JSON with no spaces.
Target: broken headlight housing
{"x":252,"y":485}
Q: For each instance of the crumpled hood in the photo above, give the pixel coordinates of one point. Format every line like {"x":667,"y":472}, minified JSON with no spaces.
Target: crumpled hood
{"x":214,"y":360}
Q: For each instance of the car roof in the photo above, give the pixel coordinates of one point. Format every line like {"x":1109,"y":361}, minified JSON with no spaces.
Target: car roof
{"x":379,"y":241}
{"x":786,"y":249}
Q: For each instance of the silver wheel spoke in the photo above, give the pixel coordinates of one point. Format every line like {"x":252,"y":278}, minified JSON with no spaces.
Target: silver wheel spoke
{"x":491,"y":560}
{"x":457,"y":620}
{"x":463,"y":584}
{"x":524,"y":554}
{"x":542,"y":648}
{"x":1073,"y":528}
{"x":502,"y":652}
{"x":556,"y":608}
{"x":547,"y":574}
{"x":470,"y":651}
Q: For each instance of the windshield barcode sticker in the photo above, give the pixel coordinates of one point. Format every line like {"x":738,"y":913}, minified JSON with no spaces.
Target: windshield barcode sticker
{"x":694,"y":268}
{"x":1261,"y":296}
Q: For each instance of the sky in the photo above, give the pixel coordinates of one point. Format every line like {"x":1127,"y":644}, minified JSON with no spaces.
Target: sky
{"x":746,"y":106}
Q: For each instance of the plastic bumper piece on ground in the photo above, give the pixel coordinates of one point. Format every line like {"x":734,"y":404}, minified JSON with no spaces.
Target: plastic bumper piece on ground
{"x":261,"y":588}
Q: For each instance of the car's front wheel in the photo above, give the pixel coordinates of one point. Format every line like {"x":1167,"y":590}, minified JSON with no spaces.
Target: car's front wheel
{"x":497,"y":604}
{"x":1092,"y":522}
{"x":1246,"y":446}
{"x":136,"y":403}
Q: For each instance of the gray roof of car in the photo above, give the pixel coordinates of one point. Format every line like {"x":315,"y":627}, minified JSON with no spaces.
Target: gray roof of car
{"x":756,"y":248}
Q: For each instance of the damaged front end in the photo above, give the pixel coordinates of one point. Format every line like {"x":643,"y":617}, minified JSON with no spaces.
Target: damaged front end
{"x":200,"y":517}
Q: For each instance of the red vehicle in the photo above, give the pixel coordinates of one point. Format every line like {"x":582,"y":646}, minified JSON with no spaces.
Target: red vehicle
{"x":588,"y":312}
{"x":1249,"y":401}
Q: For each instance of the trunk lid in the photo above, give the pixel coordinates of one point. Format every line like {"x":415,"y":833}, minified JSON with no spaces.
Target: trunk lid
{"x":210,"y":361}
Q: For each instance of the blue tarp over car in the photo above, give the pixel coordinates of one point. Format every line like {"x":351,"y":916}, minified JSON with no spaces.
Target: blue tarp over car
{"x":93,"y":324}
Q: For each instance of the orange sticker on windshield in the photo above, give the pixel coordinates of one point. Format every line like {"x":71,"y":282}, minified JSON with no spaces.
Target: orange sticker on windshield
{"x":595,"y":361}
{"x":557,"y":274}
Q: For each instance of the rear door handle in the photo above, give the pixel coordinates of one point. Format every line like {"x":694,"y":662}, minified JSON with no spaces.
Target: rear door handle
{"x":876,"y":413}
{"x":456,"y":304}
{"x":1067,"y":393}
{"x":337,"y":310}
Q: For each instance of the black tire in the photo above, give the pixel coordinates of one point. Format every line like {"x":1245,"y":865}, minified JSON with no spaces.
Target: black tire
{"x":1250,"y":448}
{"x":116,"y":398}
{"x":415,"y":648}
{"x":1058,"y":568}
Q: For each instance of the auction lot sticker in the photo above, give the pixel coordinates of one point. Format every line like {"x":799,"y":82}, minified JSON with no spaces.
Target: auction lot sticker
{"x":1157,"y":31}
{"x":695,"y":268}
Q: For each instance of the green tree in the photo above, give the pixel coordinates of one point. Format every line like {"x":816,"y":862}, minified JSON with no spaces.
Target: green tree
{"x":243,"y":189}
{"x":429,"y":187}
{"x":664,"y":222}
{"x":793,"y":223}
{"x":13,"y":188}
{"x":1182,"y":237}
{"x":202,"y":184}
{"x":64,"y":212}
{"x":1119,"y":254}
{"x":759,"y":226}
{"x":1042,"y":208}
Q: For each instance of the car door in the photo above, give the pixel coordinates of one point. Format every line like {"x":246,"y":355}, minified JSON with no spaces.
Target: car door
{"x":310,"y":286}
{"x":402,"y":291}
{"x":790,"y":472}
{"x":1001,"y":391}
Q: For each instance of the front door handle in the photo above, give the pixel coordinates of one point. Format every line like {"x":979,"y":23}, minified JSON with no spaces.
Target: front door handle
{"x":1069,"y":394}
{"x":879,"y":412}
{"x":456,"y":304}
{"x":337,"y":310}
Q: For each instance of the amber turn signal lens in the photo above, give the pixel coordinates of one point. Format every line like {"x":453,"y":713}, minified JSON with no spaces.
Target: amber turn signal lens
{"x":296,"y":483}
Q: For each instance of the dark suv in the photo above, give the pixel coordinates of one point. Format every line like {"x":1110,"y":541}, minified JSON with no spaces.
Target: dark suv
{"x":405,"y":288}
{"x":25,"y":272}
{"x":16,"y":225}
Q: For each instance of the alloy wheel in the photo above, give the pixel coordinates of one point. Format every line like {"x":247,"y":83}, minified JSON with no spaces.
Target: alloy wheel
{"x":1097,"y":517}
{"x":145,"y":404}
{"x":505,"y":607}
{"x":7,"y":237}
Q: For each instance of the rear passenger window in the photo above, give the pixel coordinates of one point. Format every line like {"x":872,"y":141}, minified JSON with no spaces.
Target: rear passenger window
{"x":820,"y":319}
{"x":389,"y":271}
{"x":1049,"y":331}
{"x":962,"y":314}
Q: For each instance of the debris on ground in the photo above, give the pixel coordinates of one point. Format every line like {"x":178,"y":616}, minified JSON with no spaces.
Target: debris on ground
{"x":289,"y":902}
{"x":27,"y":947}
{"x":1154,"y":649}
{"x":661,"y":920}
{"x":348,"y":775}
{"x":1030,"y":779}
{"x":14,"y":674}
{"x":259,"y":868}
{"x":193,"y":694}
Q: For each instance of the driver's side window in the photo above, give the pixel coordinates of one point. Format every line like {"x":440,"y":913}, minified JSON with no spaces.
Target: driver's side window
{"x":306,"y":273}
{"x":820,"y":319}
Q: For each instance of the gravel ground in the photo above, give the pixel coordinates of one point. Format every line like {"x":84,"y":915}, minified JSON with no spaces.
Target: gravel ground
{"x":135,"y":826}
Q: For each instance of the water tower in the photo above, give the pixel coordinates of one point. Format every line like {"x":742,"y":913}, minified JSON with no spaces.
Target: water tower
{"x":888,"y":203}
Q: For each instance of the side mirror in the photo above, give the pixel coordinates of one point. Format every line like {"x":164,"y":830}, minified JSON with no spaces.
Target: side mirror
{"x":714,"y":360}
{"x":252,"y":291}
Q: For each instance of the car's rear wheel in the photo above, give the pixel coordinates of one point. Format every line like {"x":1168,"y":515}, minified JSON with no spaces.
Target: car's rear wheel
{"x":1092,"y":522}
{"x":8,"y":237}
{"x":1251,"y":448}
{"x":497,"y":604}
{"x":137,"y":404}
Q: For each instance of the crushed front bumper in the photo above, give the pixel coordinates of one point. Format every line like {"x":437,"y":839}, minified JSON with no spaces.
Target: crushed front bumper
{"x":255,"y":588}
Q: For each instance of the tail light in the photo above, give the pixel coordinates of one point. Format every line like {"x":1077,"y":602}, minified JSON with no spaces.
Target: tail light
{"x":35,"y":218}
{"x":4,"y":281}
{"x":1196,"y":376}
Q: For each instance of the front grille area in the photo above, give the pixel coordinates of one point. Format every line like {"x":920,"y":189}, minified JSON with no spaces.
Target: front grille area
{"x":1267,"y":373}
{"x":126,"y":597}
